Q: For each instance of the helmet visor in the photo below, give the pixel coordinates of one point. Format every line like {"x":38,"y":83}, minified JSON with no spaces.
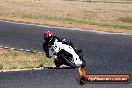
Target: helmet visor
{"x":47,"y":39}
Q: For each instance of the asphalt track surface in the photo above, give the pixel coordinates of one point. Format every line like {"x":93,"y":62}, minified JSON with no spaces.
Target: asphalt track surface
{"x":105,"y":53}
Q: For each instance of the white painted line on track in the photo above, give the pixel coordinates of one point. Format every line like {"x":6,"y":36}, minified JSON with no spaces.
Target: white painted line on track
{"x":6,"y":47}
{"x":12,"y":48}
{"x":78,"y":29}
{"x":21,"y":49}
{"x":1,"y":46}
{"x":40,"y":52}
{"x":27,"y":50}
{"x":16,"y":70}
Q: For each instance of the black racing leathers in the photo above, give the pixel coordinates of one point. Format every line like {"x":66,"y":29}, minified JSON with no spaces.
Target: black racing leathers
{"x":46,"y":45}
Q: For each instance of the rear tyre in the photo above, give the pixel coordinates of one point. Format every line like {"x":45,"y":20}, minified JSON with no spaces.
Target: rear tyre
{"x":83,"y":61}
{"x":83,"y":64}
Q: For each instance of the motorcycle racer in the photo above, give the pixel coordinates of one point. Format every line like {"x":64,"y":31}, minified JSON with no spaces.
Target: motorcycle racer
{"x":50,"y":39}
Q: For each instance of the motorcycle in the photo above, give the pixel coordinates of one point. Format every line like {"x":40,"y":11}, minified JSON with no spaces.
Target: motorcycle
{"x":65,"y":54}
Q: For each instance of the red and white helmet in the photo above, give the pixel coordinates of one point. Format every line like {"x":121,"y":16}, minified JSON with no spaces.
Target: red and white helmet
{"x":47,"y":34}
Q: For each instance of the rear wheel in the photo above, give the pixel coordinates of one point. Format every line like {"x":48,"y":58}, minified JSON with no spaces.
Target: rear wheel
{"x":83,"y":64}
{"x":83,"y":61}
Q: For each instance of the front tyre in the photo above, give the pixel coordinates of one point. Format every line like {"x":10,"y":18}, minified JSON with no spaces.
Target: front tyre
{"x":68,"y":60}
{"x":57,"y":63}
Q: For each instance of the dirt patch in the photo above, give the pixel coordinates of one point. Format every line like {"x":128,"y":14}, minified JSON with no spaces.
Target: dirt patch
{"x":78,"y":9}
{"x":126,"y":20}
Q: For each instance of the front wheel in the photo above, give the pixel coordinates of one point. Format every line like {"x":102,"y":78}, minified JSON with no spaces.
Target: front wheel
{"x":57,"y":63}
{"x":68,"y":60}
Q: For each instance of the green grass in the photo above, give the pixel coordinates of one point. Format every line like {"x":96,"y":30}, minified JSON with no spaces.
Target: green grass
{"x":67,"y":20}
{"x":1,"y":66}
{"x":90,"y":23}
{"x":113,"y":26}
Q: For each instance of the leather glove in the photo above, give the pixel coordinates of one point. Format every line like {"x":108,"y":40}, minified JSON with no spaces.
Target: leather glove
{"x":48,"y":56}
